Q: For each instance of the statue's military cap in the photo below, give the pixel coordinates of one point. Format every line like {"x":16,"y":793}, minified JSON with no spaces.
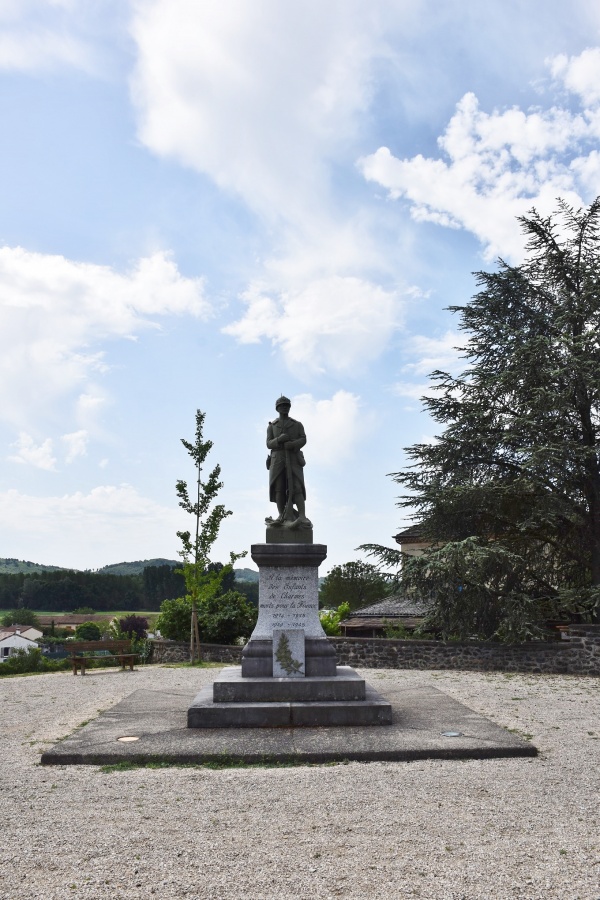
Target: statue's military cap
{"x":282,"y":401}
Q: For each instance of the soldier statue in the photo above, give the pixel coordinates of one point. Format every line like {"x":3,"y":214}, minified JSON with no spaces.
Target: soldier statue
{"x":285,"y":439}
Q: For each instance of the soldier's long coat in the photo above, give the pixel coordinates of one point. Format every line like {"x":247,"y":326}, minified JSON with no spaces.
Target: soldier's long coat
{"x":295,"y":431}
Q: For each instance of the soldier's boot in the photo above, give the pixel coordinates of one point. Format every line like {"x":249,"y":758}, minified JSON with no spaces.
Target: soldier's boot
{"x":280,"y":501}
{"x":299,"y":501}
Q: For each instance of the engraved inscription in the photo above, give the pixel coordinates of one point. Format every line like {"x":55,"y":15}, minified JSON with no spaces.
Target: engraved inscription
{"x":288,"y":598}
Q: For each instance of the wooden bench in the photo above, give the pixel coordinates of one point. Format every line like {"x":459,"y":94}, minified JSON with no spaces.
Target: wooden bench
{"x":84,"y":652}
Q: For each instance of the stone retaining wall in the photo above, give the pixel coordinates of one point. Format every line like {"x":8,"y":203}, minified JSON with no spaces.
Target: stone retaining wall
{"x":580,"y":655}
{"x":179,"y":651}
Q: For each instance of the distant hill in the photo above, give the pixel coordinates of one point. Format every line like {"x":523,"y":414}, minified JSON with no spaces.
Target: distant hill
{"x":14,"y":566}
{"x":245,"y":575}
{"x":137,"y":567}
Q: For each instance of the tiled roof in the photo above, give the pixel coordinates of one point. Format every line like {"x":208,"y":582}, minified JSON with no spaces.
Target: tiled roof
{"x":393,"y":607}
{"x":373,"y":622}
{"x":412,"y":533}
{"x":12,"y":629}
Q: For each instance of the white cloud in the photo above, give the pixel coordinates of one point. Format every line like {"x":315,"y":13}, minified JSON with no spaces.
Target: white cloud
{"x":265,"y":98}
{"x":333,"y":324}
{"x":411,"y":390}
{"x":498,"y":165}
{"x":579,"y":74}
{"x":110,"y":523}
{"x":44,"y":35}
{"x":30,"y":453}
{"x":26,"y":52}
{"x":258,"y":96}
{"x":54,"y":314}
{"x":432,"y":353}
{"x":76,"y":444}
{"x":435,"y":353}
{"x":333,"y":426}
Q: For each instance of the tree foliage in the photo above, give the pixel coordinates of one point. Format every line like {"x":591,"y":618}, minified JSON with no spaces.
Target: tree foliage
{"x":135,"y":627}
{"x":173,"y":620}
{"x":88,"y":631}
{"x":204,"y":580}
{"x":62,"y":590}
{"x":196,"y":550}
{"x":20,"y":617}
{"x":509,"y":494}
{"x":226,"y":618}
{"x":222,"y":618}
{"x":330,"y":619}
{"x":355,"y":583}
{"x":161,"y":583}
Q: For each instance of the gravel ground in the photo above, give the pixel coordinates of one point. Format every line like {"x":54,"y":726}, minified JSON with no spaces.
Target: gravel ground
{"x":514,"y":828}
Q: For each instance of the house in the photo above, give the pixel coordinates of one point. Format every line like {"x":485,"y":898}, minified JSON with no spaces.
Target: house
{"x":411,"y":541}
{"x":27,"y":631}
{"x":12,"y":642}
{"x":70,"y":621}
{"x":371,"y":621}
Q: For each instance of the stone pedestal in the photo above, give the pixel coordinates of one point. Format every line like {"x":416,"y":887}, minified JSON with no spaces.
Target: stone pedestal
{"x":288,"y":597}
{"x":318,"y":693}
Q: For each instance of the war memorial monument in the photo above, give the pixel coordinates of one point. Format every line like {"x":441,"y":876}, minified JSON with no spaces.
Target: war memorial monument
{"x":289,"y":675}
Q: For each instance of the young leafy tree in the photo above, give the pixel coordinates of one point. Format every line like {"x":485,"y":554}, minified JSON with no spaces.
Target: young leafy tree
{"x":509,"y":495}
{"x":201,"y":579}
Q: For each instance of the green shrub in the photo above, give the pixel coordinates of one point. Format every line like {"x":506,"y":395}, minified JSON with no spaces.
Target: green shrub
{"x":174,"y":619}
{"x":222,"y":619}
{"x":397,"y":631}
{"x":330,"y":620}
{"x":226,"y":618}
{"x":88,"y":631}
{"x":24,"y":661}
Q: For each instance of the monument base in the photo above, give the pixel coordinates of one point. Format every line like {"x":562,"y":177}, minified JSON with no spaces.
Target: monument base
{"x":231,"y":686}
{"x":310,"y":702}
{"x":280,"y":535}
{"x":257,"y":658}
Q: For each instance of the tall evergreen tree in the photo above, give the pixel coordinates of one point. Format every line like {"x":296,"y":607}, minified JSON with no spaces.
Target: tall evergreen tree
{"x":509,"y":495}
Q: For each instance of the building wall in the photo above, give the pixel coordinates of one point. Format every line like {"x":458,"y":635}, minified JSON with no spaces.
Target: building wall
{"x":12,"y":643}
{"x":580,"y":655}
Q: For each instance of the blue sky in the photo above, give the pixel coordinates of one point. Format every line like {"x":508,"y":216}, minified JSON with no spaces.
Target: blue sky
{"x":205,"y":204}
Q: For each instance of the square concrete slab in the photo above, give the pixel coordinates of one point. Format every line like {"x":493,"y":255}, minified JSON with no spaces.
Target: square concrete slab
{"x":427,"y":724}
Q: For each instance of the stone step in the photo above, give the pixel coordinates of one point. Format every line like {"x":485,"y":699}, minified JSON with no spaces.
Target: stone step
{"x":206,"y":713}
{"x":231,"y":687}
